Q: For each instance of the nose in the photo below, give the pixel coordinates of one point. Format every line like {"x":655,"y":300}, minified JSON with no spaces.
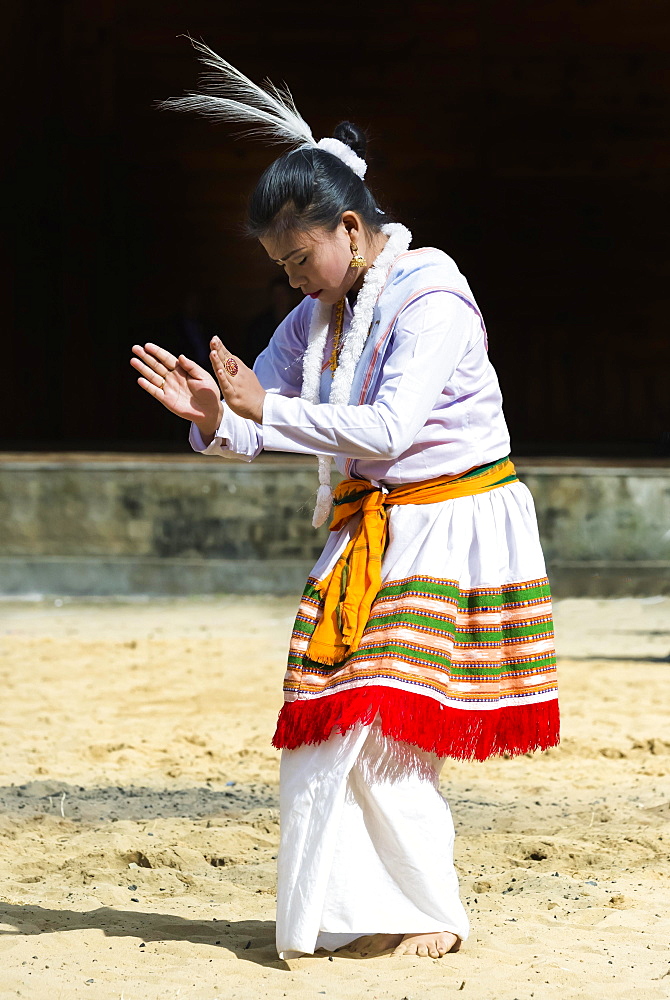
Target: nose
{"x":295,"y":279}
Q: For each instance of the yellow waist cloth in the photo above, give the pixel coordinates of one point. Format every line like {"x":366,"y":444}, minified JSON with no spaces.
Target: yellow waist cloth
{"x":355,"y":580}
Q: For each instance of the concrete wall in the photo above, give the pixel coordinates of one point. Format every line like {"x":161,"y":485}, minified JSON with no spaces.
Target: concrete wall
{"x":605,"y":529}
{"x":104,"y":525}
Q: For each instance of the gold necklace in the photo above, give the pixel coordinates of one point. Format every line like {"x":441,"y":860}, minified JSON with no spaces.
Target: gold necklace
{"x":337,"y":336}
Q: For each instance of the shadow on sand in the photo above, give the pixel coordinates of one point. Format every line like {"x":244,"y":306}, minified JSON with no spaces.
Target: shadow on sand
{"x":250,"y":940}
{"x":136,"y":803}
{"x":619,"y":659}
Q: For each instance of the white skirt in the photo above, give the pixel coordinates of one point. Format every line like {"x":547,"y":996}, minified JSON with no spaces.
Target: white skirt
{"x":457,"y":656}
{"x":366,"y":844}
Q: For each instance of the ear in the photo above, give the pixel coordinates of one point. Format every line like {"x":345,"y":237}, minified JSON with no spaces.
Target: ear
{"x":353,"y":225}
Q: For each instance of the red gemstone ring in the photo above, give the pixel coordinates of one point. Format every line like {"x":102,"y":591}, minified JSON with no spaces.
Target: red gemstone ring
{"x":230,"y":364}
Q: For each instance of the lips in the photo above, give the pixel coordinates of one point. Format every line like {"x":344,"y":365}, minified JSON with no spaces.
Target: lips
{"x":315,"y":295}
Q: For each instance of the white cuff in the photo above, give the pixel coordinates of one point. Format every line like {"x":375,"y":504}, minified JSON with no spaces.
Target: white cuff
{"x":236,"y":438}
{"x":217,"y":446}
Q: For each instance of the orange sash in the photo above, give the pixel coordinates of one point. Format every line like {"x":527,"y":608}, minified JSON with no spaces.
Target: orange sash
{"x":350,"y":589}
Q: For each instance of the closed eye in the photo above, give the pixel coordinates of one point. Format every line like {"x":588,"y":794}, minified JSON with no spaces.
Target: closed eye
{"x":283,"y":263}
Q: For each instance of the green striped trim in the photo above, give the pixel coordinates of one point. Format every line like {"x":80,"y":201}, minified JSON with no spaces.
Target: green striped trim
{"x":431,"y":629}
{"x":466,"y":599}
{"x":432,"y":588}
{"x":437,"y":624}
{"x":454,"y":671}
{"x":310,"y":593}
{"x":504,"y":634}
{"x":431,"y":658}
{"x":473,"y":601}
{"x":463,"y":670}
{"x":457,"y":670}
{"x":303,"y":628}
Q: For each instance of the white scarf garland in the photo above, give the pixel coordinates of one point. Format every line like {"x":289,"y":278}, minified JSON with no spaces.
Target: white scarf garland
{"x":399,"y":239}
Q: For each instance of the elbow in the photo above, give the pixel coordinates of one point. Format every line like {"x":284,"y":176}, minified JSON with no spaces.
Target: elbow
{"x":391,"y":452}
{"x":394,"y":440}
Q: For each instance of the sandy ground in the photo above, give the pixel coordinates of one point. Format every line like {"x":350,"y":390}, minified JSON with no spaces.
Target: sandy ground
{"x":138,"y":815}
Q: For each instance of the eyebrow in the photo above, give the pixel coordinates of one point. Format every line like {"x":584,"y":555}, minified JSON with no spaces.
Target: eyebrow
{"x":282,"y":259}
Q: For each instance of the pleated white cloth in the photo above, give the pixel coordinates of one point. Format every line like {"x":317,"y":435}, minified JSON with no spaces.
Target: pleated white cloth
{"x":487,"y":540}
{"x":366,"y":844}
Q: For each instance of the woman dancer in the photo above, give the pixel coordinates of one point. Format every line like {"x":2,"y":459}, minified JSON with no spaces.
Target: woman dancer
{"x":425,"y":628}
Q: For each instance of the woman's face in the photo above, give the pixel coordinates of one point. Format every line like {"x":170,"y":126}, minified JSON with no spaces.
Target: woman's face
{"x":317,"y":262}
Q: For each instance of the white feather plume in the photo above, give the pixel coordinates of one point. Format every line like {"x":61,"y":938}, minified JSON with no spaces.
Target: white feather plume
{"x":267,"y":113}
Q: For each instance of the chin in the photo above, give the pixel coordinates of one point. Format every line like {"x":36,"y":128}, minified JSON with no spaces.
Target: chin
{"x":331,"y":297}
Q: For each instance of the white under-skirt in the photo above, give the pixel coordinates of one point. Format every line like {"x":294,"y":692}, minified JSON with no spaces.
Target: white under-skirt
{"x":366,"y":844}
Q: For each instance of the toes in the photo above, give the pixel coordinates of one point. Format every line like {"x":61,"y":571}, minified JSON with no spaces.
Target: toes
{"x":429,"y":947}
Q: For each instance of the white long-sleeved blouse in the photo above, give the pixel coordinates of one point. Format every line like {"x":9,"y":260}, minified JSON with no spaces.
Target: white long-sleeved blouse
{"x":426,"y":400}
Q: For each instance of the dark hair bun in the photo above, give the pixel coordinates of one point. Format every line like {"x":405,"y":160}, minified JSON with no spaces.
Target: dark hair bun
{"x":309,"y":189}
{"x":352,"y":136}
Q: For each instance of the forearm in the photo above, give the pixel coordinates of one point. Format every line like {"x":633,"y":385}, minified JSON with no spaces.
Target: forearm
{"x":234,"y":438}
{"x":321,"y":428}
{"x":209,"y":425}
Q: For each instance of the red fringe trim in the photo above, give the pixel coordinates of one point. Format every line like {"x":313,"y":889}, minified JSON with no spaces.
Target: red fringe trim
{"x":465,"y":734}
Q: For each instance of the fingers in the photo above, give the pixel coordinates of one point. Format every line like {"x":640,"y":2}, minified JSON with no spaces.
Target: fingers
{"x":148,"y":373}
{"x":163,"y":357}
{"x":220,"y":354}
{"x":190,"y":366}
{"x":152,"y":389}
{"x":220,"y":372}
{"x":217,"y":345}
{"x":150,"y":363}
{"x":225,"y":367}
{"x":155,"y":357}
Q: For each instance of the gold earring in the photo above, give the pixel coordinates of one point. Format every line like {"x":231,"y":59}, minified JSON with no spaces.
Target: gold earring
{"x":356,"y":259}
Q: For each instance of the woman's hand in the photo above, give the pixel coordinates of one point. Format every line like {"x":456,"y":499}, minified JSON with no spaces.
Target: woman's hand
{"x":180,"y":385}
{"x":241,"y":389}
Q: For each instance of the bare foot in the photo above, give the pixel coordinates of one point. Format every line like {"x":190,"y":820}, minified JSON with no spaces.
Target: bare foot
{"x":373,"y":944}
{"x":433,"y":945}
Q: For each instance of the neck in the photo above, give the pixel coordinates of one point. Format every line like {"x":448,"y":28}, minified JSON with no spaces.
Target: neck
{"x":372,"y":251}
